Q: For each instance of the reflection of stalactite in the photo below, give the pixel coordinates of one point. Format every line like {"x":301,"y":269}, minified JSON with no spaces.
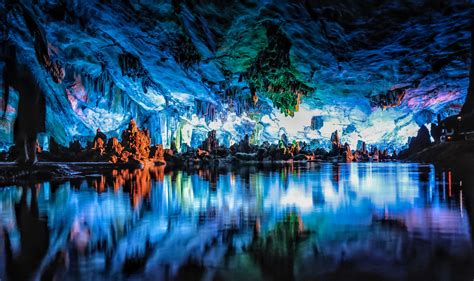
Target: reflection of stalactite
{"x":276,"y":250}
{"x":210,"y":175}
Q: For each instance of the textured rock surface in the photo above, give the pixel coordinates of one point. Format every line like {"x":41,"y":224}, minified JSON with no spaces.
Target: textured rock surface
{"x":376,"y":70}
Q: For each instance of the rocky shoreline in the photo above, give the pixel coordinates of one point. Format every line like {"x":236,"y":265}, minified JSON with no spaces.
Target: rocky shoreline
{"x":134,"y":149}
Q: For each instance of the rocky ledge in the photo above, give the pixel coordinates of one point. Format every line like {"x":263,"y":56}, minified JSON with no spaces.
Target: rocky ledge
{"x":135,"y":150}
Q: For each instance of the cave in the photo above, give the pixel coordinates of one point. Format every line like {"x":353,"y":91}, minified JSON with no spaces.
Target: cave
{"x":223,"y":140}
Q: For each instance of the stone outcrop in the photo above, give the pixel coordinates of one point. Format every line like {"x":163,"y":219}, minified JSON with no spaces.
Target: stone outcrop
{"x":210,"y":144}
{"x":418,"y":143}
{"x":335,"y":143}
{"x":347,"y":154}
{"x":157,"y":153}
{"x":135,"y":149}
{"x":136,"y":142}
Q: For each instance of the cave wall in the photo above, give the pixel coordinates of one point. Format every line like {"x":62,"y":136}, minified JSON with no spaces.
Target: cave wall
{"x":181,"y":68}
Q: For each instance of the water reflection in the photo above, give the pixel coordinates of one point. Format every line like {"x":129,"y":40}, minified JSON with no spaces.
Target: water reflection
{"x":316,"y":221}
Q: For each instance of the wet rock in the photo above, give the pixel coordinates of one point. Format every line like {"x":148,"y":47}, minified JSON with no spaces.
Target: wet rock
{"x":98,"y":146}
{"x":284,"y":140}
{"x":302,"y":157}
{"x":99,"y":136}
{"x":362,"y":147}
{"x":114,"y":146}
{"x":173,"y":147}
{"x":375,"y":155}
{"x":394,"y":155}
{"x":202,"y":153}
{"x":74,"y":146}
{"x":436,"y":130}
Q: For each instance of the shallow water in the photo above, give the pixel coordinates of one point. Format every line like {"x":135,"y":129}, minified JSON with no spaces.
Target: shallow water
{"x":384,"y":221}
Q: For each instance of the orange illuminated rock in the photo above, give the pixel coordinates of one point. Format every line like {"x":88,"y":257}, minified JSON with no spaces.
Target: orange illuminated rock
{"x":157,"y":153}
{"x":136,"y":142}
{"x":348,"y":157}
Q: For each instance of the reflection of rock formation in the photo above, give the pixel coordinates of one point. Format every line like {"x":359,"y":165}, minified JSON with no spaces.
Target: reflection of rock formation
{"x":275,"y":251}
{"x":34,"y":239}
{"x":185,"y":229}
{"x":136,"y":262}
{"x":136,"y":182}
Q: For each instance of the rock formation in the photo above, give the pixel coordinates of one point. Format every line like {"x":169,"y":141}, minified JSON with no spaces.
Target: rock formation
{"x":347,"y":154}
{"x":335,"y":143}
{"x":418,"y":143}
{"x":210,"y":144}
{"x":254,"y":65}
{"x":136,"y":142}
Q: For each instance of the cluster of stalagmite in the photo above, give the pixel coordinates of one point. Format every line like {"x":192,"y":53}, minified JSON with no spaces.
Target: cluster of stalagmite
{"x":135,"y":148}
{"x":361,"y":154}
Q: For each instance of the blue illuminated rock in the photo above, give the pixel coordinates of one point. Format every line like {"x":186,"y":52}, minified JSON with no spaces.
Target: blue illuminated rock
{"x":184,"y":68}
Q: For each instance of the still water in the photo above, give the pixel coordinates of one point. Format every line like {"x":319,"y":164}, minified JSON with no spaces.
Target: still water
{"x":386,"y":221}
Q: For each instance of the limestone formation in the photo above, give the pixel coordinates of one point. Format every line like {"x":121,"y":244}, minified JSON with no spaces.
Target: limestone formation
{"x":210,"y":144}
{"x":347,"y":155}
{"x":136,"y":141}
{"x":335,"y":143}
